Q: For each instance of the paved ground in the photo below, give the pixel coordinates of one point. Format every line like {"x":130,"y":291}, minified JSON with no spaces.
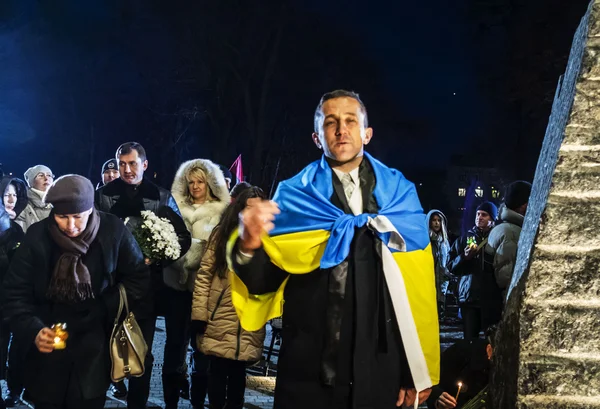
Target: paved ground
{"x":259,"y":391}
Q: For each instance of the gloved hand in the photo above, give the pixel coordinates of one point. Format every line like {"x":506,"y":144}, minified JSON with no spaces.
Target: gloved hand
{"x":197,"y":328}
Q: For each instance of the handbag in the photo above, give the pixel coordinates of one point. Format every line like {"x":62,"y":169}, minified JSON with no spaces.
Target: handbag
{"x":127,"y":345}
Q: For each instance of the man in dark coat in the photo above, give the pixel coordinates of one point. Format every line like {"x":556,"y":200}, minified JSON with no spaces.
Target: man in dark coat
{"x":126,"y":197}
{"x":341,"y":343}
{"x":479,"y":297}
{"x":113,"y":257}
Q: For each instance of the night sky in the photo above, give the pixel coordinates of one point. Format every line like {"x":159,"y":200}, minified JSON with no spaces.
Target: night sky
{"x":195,"y":79}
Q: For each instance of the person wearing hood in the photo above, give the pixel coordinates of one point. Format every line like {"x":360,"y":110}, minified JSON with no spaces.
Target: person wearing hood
{"x":38,"y":178}
{"x":11,"y":237}
{"x":14,"y":196}
{"x":69,"y":269}
{"x":504,"y":238}
{"x":201,"y":193}
{"x":14,"y":201}
{"x":440,"y":247}
{"x":478,"y":294}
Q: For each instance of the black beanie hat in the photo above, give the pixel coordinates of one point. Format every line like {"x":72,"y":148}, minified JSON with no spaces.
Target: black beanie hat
{"x":110,"y":165}
{"x":517,"y":194}
{"x":489,"y":208}
{"x":70,"y":194}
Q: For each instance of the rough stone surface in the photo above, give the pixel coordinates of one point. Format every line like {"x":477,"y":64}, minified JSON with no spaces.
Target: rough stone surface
{"x":548,"y":347}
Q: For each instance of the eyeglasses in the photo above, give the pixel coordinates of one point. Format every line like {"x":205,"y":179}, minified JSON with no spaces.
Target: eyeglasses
{"x":47,"y":175}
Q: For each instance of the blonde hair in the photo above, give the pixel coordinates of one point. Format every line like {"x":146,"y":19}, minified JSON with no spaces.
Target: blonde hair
{"x":200,"y":174}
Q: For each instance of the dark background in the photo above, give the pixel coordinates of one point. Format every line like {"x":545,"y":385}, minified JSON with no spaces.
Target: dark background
{"x":214,"y":79}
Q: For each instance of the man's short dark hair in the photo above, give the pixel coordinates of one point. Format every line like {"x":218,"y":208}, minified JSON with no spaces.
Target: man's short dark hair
{"x":129,"y":147}
{"x":339,"y":93}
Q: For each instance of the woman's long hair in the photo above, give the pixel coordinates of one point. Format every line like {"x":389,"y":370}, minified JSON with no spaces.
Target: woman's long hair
{"x":229,"y":221}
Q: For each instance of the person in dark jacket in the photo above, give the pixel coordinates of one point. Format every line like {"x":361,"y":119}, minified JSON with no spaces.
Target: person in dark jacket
{"x":126,"y":197}
{"x":468,"y":362}
{"x":15,"y":201}
{"x":478,"y":294}
{"x":67,"y":270}
{"x":341,"y":343}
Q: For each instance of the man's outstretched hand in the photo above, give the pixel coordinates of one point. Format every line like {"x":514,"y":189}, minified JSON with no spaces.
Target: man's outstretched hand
{"x":407,"y":397}
{"x":256,"y":218}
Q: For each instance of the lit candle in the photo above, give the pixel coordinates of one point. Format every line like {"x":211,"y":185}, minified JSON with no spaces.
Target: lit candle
{"x":61,"y":336}
{"x":458,"y":393}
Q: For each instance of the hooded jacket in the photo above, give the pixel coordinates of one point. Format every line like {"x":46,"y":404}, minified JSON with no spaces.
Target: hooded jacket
{"x":21,"y":189}
{"x":200,"y":220}
{"x":440,"y":247}
{"x":503,"y":241}
{"x":36,"y":210}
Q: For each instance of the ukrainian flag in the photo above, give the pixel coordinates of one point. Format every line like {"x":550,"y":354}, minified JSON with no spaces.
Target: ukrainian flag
{"x":312,"y":233}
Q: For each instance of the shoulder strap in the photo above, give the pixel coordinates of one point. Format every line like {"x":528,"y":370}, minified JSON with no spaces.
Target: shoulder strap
{"x":121,"y":303}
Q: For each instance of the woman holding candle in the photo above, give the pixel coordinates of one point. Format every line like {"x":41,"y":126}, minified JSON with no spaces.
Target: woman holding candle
{"x":67,"y":271}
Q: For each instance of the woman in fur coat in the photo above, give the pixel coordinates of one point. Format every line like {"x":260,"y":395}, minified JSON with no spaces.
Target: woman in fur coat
{"x":201,"y":193}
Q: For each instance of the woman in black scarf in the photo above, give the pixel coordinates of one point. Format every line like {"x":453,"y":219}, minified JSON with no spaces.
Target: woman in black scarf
{"x":67,"y":271}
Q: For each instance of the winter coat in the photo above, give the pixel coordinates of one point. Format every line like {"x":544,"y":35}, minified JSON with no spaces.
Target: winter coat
{"x":224,"y":336}
{"x":127,"y":201}
{"x":35,"y":211}
{"x":471,"y":272}
{"x":11,"y":237}
{"x":503,"y":241}
{"x":113,"y":257}
{"x":370,"y":363}
{"x":199,"y":219}
{"x":440,"y":248}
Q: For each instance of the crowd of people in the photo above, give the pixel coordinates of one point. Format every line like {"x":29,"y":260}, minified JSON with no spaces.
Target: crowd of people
{"x":348,"y":254}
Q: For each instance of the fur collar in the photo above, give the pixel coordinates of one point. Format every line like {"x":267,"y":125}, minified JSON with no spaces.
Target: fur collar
{"x":208,"y":210}
{"x":215,"y":179}
{"x":117,"y":187}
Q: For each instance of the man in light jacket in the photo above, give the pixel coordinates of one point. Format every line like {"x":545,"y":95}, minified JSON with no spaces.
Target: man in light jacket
{"x":503,"y":240}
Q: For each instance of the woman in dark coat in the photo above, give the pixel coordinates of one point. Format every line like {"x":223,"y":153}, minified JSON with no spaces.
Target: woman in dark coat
{"x":67,"y":271}
{"x":14,"y":202}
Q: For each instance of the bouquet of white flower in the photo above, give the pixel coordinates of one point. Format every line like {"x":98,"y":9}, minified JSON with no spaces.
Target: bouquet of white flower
{"x":156,"y":237}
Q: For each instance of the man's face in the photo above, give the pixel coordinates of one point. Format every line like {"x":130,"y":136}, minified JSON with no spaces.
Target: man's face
{"x":42,"y":181}
{"x":131,"y":168}
{"x":436,"y":223}
{"x":342,"y":134}
{"x":483,"y":220}
{"x":110,"y":175}
{"x":72,"y":225}
{"x":10,"y":197}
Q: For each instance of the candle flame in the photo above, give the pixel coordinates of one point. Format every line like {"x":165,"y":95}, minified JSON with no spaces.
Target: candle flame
{"x":459,"y":384}
{"x":56,"y":340}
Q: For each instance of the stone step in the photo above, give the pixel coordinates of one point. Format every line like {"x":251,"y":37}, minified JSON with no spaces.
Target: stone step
{"x":558,"y":402}
{"x":570,"y":219}
{"x":553,"y":374}
{"x":561,"y":326}
{"x":558,"y":271}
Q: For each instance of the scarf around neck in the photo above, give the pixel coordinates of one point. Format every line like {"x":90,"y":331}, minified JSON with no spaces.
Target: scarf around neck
{"x":71,"y":281}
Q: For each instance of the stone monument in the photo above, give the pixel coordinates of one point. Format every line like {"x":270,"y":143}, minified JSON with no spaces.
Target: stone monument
{"x":547,"y":352}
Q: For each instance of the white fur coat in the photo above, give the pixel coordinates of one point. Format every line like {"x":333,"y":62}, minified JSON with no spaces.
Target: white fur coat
{"x":199,"y":219}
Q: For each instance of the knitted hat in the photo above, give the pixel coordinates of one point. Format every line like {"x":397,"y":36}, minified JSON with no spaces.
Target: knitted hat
{"x":517,"y":194}
{"x":71,"y":194}
{"x":110,"y":164}
{"x":32,"y":172}
{"x":489,"y":208}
